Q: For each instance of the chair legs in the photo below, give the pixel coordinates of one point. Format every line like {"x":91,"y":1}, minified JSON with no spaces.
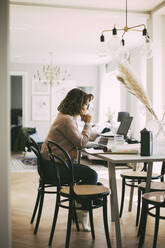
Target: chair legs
{"x":156,"y":226}
{"x":36,"y":206}
{"x":138,"y":205}
{"x":54,"y":220}
{"x":75,"y":219}
{"x":39,"y":211}
{"x":91,"y":224}
{"x":106,"y":222}
{"x":143,"y":221}
{"x":70,"y":217}
{"x":122,"y":197}
{"x":142,"y":226}
{"x":122,"y":200}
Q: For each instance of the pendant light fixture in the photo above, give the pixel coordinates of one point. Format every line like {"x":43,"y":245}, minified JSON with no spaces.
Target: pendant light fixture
{"x":116,"y":46}
{"x":51,"y":72}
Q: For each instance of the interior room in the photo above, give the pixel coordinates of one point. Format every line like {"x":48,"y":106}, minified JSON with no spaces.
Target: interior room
{"x":49,"y":47}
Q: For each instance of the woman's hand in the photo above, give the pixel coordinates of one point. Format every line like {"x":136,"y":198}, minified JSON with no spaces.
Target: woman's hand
{"x":86,"y":118}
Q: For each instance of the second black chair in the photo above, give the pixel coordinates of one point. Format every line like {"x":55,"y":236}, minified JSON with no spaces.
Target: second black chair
{"x":89,"y":197}
{"x":151,"y":201}
{"x":133,"y":179}
{"x":44,"y":183}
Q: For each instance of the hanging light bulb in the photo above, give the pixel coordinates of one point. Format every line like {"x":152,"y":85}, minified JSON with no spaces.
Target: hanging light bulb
{"x":109,"y":48}
{"x":102,"y":47}
{"x":147,"y":47}
{"x":123,"y":52}
{"x":114,"y":43}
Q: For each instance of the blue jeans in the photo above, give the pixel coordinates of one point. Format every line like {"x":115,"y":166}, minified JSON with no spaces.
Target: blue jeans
{"x":81,"y":172}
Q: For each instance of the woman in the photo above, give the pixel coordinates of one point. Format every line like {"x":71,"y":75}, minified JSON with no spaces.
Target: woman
{"x":65,"y":132}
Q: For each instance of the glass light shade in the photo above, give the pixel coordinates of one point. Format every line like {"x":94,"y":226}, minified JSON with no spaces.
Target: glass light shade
{"x":102,"y":49}
{"x":123,"y":53}
{"x":113,"y":45}
{"x":146,"y":47}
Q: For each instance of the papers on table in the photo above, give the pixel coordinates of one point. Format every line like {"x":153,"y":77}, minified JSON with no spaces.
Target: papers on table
{"x":125,"y":148}
{"x":93,"y":151}
{"x":118,"y":149}
{"x":107,"y":134}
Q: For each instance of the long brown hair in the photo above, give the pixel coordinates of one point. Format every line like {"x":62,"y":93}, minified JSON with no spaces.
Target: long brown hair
{"x":74,"y":101}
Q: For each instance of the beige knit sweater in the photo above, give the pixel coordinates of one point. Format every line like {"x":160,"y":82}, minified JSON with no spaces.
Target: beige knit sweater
{"x":64,"y":131}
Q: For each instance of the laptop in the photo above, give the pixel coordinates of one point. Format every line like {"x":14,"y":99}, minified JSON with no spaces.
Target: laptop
{"x":124,"y":126}
{"x":122,"y":130}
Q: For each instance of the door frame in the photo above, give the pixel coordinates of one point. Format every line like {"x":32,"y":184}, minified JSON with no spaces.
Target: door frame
{"x":24,"y":95}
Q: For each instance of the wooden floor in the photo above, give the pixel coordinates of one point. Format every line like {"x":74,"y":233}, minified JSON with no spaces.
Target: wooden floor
{"x":23,"y":195}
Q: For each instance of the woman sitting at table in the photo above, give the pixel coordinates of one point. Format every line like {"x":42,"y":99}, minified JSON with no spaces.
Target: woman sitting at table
{"x":64,"y":131}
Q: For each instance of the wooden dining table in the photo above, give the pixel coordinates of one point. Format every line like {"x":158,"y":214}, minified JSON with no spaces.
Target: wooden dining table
{"x":112,"y":161}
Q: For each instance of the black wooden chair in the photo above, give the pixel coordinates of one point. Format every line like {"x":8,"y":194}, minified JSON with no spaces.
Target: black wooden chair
{"x":151,"y":201}
{"x":94,"y":196}
{"x":44,"y":184}
{"x":154,"y":187}
{"x":133,"y":179}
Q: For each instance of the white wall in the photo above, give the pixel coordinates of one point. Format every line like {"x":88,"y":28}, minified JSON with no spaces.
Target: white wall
{"x":137,"y":109}
{"x":82,"y":75}
{"x":124,"y":100}
{"x":158,"y":64}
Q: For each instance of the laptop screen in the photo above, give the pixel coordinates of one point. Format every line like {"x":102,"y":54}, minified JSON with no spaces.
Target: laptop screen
{"x":124,"y":126}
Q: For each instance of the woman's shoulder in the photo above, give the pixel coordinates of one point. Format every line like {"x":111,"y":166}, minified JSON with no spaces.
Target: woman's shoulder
{"x":64,"y":118}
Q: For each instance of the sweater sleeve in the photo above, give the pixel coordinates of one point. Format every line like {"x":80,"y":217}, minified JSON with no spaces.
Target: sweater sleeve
{"x":72,"y":133}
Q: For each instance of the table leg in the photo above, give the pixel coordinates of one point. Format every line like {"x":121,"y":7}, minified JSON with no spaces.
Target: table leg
{"x":114,"y":203}
{"x":149,"y":176}
{"x":131,"y":193}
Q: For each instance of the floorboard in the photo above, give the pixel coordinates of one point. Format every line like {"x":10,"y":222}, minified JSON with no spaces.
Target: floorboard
{"x":23,"y":195}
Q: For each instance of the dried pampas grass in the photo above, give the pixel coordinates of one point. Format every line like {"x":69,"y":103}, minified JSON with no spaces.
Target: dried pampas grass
{"x":129,"y":80}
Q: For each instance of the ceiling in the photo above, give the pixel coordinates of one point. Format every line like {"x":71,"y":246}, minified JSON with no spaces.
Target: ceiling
{"x":70,"y":29}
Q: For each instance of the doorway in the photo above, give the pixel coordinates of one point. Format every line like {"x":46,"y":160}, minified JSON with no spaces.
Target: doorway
{"x":15,"y":107}
{"x":17,"y":104}
{"x":16,"y":100}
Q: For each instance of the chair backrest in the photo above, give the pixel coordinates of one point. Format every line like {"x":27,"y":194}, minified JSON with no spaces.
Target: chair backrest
{"x":163,"y":171}
{"x":33,"y":146}
{"x":66,"y":161}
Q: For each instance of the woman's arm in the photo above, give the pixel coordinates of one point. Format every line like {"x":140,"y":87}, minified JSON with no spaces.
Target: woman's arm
{"x":72,"y":133}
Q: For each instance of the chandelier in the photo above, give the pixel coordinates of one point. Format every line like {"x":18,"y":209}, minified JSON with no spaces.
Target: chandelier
{"x":117,"y":46}
{"x":52,"y":73}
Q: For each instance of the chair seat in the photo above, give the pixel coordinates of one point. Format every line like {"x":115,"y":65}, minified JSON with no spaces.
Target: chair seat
{"x":155,"y":197}
{"x":87,"y":190}
{"x":155,"y":186}
{"x":137,"y":174}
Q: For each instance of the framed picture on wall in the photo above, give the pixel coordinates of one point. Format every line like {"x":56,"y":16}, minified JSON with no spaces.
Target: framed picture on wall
{"x":40,"y":108}
{"x":40,"y":87}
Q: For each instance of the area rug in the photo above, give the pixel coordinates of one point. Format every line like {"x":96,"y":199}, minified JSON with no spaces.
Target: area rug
{"x":19,"y":166}
{"x":29,"y":164}
{"x":32,"y":161}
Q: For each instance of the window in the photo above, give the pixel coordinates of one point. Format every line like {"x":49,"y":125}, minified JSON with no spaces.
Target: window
{"x":109,"y":97}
